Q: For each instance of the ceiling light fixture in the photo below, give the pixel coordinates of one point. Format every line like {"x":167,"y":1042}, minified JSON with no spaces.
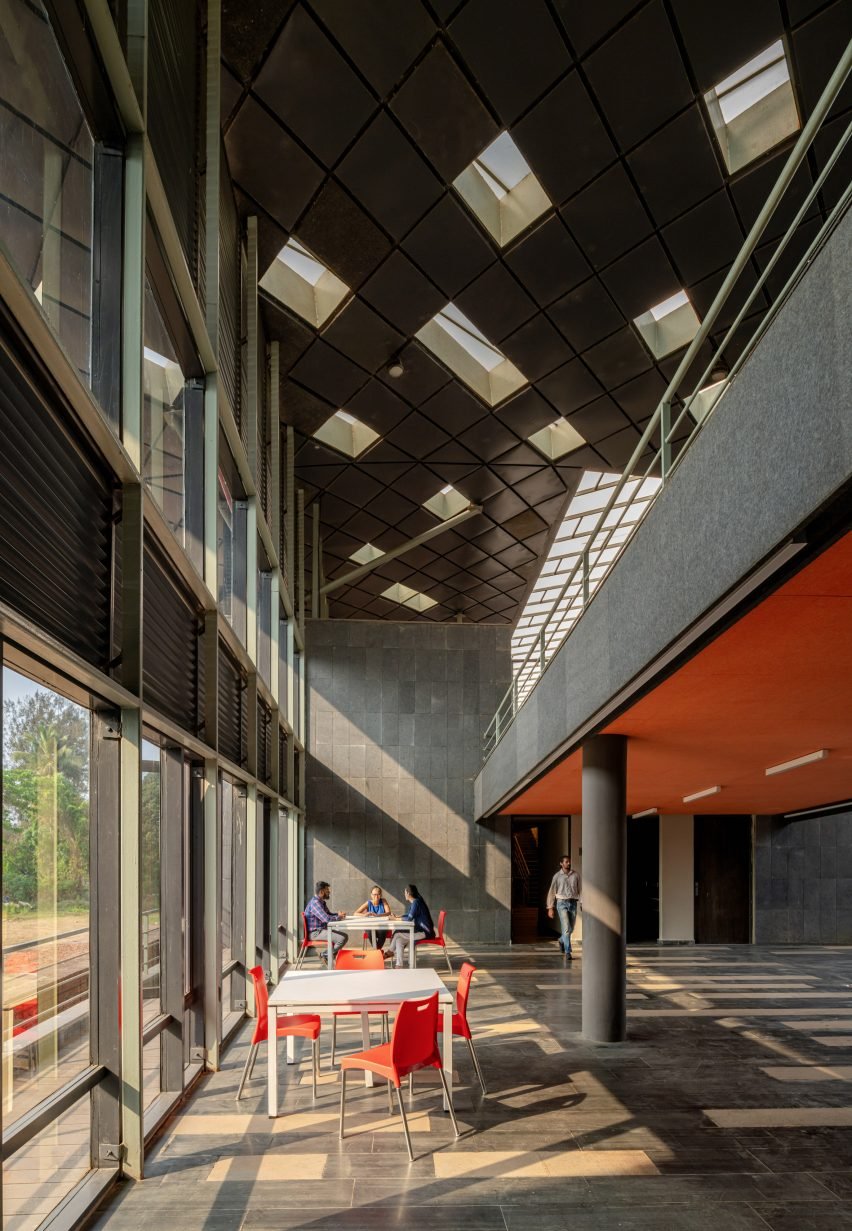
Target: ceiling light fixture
{"x":808,"y":759}
{"x":396,"y":368}
{"x":636,"y":816}
{"x":710,"y":790}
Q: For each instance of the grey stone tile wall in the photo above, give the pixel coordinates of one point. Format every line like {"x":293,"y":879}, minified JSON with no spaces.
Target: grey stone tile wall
{"x":396,"y":713}
{"x":803,"y":880}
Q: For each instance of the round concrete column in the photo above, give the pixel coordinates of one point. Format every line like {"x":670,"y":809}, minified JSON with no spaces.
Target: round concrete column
{"x":604,"y":888}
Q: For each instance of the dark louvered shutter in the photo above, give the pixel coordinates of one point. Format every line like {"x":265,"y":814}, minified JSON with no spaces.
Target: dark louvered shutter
{"x":264,"y":741}
{"x":282,"y":762}
{"x":170,"y":643}
{"x":229,"y":290}
{"x":232,"y":707}
{"x":56,"y":525}
{"x":173,"y":110}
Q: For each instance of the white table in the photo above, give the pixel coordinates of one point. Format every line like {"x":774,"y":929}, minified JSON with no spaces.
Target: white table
{"x":374,"y":923}
{"x":327,"y":992}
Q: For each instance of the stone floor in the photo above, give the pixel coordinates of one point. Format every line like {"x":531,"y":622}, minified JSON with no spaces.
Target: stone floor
{"x":730,"y":1105}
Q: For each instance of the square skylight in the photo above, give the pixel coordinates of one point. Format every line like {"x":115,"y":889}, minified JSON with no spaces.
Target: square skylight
{"x":457,"y":342}
{"x":754,"y":109}
{"x":297,"y":279}
{"x":668,"y":325}
{"x":705,"y":399}
{"x":346,"y":434}
{"x":501,"y":190}
{"x":366,"y":554}
{"x":406,"y":597}
{"x":556,"y":439}
{"x":446,"y":503}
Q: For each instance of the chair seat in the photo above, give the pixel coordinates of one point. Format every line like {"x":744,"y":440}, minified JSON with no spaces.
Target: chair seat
{"x":379,"y":1060}
{"x":301,"y":1025}
{"x":460,"y":1026}
{"x":431,"y":940}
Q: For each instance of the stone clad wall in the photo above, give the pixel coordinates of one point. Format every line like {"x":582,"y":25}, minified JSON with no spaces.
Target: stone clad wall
{"x":803,"y":880}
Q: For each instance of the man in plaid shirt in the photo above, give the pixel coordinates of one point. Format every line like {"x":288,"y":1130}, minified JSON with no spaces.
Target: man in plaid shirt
{"x":319,"y":917}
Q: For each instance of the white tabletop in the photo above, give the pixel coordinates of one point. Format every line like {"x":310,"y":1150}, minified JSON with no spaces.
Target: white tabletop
{"x":354,"y":922}
{"x":355,"y":988}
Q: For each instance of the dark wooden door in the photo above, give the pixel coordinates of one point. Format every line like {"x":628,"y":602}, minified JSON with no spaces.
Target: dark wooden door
{"x":723,"y":880}
{"x":643,"y":879}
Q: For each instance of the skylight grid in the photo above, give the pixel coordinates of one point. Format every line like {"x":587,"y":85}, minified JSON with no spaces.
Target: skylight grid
{"x":669,"y":325}
{"x":465,"y":332}
{"x":301,"y":261}
{"x":297,"y":279}
{"x":501,"y":191}
{"x":456,"y":341}
{"x":346,"y":434}
{"x":575,"y":536}
{"x":505,"y":162}
{"x":754,"y":108}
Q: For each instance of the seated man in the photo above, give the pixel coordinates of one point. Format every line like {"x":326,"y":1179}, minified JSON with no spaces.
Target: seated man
{"x":319,"y":917}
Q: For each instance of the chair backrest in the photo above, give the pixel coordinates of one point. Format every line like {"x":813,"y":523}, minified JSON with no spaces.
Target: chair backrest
{"x":468,"y":970}
{"x":359,"y":959}
{"x":261,"y":1004}
{"x":413,"y":1038}
{"x":442,"y":915}
{"x":307,"y":935}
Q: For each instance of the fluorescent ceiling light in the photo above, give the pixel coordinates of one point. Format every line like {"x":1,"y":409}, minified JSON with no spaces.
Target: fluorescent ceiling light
{"x":458,"y":343}
{"x":710,"y":790}
{"x":297,"y":279}
{"x":501,"y":191}
{"x":346,"y":434}
{"x":808,"y":759}
{"x":406,"y":597}
{"x":366,"y":554}
{"x":668,"y":325}
{"x":446,"y":503}
{"x":556,"y":439}
{"x":647,"y":812}
{"x":754,"y":108}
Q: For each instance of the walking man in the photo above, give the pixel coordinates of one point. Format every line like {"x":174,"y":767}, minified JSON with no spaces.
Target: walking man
{"x":320,"y":918}
{"x":562,"y":897}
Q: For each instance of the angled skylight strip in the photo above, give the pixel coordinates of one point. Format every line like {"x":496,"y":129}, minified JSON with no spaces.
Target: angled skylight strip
{"x":457,"y":342}
{"x":754,"y":108}
{"x":366,"y":554}
{"x":346,"y":434}
{"x":591,"y":497}
{"x":500,"y":189}
{"x":301,"y":282}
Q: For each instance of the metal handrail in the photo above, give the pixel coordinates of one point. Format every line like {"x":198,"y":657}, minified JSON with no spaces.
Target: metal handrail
{"x":537,"y":656}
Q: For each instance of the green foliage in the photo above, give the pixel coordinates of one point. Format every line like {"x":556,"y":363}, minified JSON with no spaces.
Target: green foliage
{"x":45,"y":774}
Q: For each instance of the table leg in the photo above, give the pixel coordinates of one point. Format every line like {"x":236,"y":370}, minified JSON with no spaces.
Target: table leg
{"x":447,"y":1050}
{"x":412,"y":959}
{"x":365,"y":1037}
{"x":272,"y":1063}
{"x":330,"y":962}
{"x":291,"y":1049}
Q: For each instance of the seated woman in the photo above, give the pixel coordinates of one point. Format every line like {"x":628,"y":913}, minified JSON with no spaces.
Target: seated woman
{"x":424,"y":928}
{"x":376,"y":905}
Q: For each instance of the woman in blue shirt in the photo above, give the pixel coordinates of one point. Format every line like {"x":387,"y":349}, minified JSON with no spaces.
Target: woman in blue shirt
{"x":418,"y":913}
{"x":376,"y":905}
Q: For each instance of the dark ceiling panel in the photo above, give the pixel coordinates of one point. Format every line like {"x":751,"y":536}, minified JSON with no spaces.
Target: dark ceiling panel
{"x":269,"y":165}
{"x":585,"y":315}
{"x":705,"y":239}
{"x":564,"y":140}
{"x":383,"y":37}
{"x":585,"y":24}
{"x":421,"y":376}
{"x":287,"y":83}
{"x":488,"y":438}
{"x":418,"y":436}
{"x":537,"y":347}
{"x":449,"y":246}
{"x":570,"y":386}
{"x":378,"y":407}
{"x":386,"y":173}
{"x":677,"y":167}
{"x":641,"y":279}
{"x":548,"y":262}
{"x":638,"y":76}
{"x":329,"y":374}
{"x":607,"y":218}
{"x":338,"y":231}
{"x":618,"y":358}
{"x":455,"y":133}
{"x":453,"y":408}
{"x":722,"y":36}
{"x":248,"y":29}
{"x":363,"y":336}
{"x":526,"y":413}
{"x":402,"y":294}
{"x":496,"y":303}
{"x":515,"y":51}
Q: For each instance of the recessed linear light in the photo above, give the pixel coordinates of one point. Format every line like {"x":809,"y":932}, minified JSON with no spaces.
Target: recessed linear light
{"x":406,"y":597}
{"x":346,"y":434}
{"x":457,"y":342}
{"x":366,"y":554}
{"x":753,"y":109}
{"x":446,"y":503}
{"x":556,"y":439}
{"x":648,"y":812}
{"x":711,"y":790}
{"x":501,"y":191}
{"x":297,"y":279}
{"x":668,"y":325}
{"x":808,"y":759}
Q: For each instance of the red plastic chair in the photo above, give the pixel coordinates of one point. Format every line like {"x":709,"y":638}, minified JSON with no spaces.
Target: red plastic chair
{"x":307,"y":943}
{"x":353,"y":959}
{"x":299,"y":1025}
{"x":438,"y":939}
{"x":461,"y":1028}
{"x":413,"y":1046}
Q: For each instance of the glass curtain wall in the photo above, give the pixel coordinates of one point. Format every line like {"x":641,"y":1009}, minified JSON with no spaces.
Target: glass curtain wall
{"x":46,"y":168}
{"x":233,"y":798}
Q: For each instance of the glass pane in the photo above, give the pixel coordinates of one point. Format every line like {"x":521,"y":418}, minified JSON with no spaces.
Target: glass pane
{"x":151,"y":1055}
{"x":45,"y":892}
{"x":46,"y":154}
{"x":225,"y":546}
{"x":227,"y":796}
{"x":41,"y":1173}
{"x":150,"y":880}
{"x":163,"y":425}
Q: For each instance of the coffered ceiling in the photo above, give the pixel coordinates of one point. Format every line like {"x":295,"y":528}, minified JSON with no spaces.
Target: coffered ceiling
{"x":346,"y":122}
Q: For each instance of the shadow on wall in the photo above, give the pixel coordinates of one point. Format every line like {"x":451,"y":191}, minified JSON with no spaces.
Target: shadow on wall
{"x":395,"y":743}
